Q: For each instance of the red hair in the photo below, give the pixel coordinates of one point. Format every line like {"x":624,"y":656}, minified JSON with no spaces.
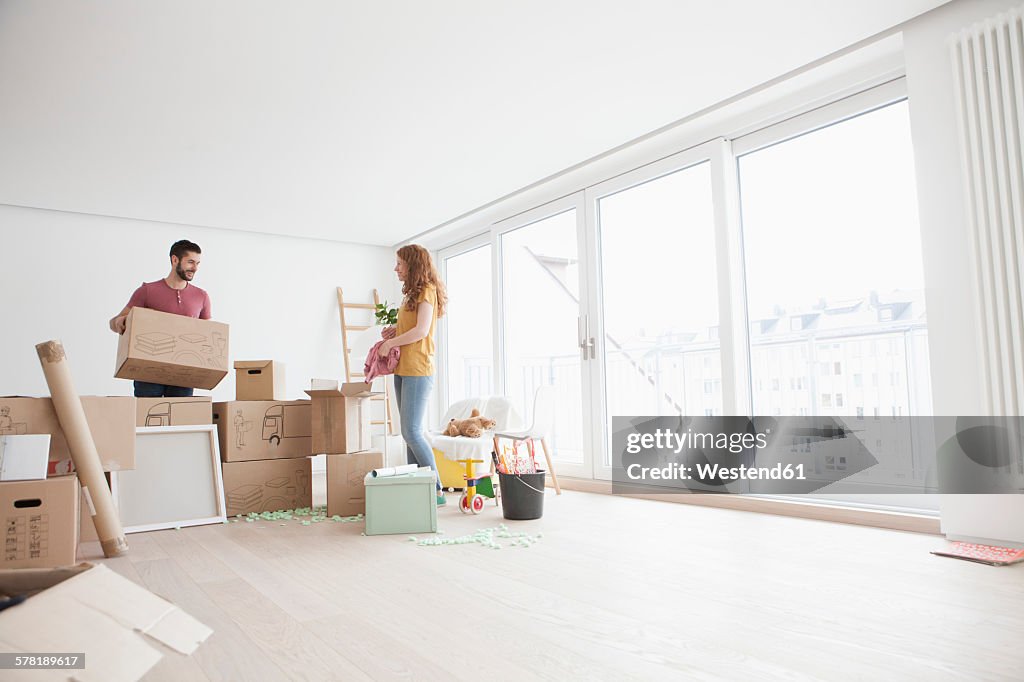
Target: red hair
{"x":419,"y":274}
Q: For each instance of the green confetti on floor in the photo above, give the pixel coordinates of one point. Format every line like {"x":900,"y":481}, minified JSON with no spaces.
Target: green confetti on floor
{"x":486,"y":537}
{"x":306,"y":515}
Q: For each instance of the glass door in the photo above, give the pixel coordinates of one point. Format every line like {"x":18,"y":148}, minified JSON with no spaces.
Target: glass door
{"x":660,"y":338}
{"x":468,"y":346}
{"x":542,"y":315}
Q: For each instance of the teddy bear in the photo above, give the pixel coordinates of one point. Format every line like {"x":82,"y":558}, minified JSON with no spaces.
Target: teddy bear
{"x":472,"y":427}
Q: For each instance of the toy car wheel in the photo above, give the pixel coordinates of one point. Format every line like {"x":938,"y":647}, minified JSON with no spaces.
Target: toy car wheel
{"x":478,"y":504}
{"x":464,"y":504}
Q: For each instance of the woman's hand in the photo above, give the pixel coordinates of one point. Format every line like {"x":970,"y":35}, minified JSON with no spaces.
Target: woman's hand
{"x":387,"y":333}
{"x":385,"y":348}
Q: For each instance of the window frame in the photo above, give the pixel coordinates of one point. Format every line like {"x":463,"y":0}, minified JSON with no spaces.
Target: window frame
{"x":442,"y":396}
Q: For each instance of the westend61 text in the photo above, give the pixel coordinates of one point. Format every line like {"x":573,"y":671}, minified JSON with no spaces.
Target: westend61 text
{"x":715,"y":472}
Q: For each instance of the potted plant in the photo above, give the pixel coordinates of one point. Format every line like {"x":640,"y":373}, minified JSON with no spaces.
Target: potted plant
{"x":385,"y":315}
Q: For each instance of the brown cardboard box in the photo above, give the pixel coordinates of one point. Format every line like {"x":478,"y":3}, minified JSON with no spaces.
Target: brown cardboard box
{"x":111,"y":422}
{"x":172,"y":349}
{"x":345,"y":491}
{"x":341,"y":419}
{"x":87,"y":527}
{"x":40,"y":522}
{"x":268,"y":485}
{"x":174,"y":411}
{"x":259,"y":380}
{"x":262,"y":429}
{"x":91,"y":609}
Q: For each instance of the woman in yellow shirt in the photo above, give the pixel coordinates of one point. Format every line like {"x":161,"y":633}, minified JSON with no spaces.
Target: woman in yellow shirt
{"x":424,"y":302}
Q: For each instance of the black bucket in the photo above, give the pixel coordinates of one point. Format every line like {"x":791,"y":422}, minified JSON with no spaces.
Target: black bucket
{"x":522,"y":495}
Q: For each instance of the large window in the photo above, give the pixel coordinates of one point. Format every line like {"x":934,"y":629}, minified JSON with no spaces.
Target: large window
{"x":660,"y":300}
{"x":540,"y":279}
{"x":469,"y":339}
{"x":835,"y":284}
{"x":835,"y":287}
{"x":778,"y":272}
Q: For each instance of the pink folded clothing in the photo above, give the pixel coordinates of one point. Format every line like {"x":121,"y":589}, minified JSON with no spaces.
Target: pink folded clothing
{"x":376,"y":366}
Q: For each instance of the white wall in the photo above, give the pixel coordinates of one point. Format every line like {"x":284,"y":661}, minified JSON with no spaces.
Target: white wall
{"x":64,"y":275}
{"x":957,"y":383}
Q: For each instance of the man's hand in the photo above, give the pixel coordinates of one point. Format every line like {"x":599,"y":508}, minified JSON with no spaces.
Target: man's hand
{"x":387,"y":333}
{"x":117,"y":324}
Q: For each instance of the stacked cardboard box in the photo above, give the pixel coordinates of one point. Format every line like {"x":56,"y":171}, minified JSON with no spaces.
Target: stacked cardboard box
{"x":265,"y":443}
{"x":40,"y":516}
{"x":40,"y":522}
{"x":341,"y":431}
{"x":44,"y":520}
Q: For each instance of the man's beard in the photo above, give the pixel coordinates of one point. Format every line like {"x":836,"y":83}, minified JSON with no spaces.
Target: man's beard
{"x":187,"y":276}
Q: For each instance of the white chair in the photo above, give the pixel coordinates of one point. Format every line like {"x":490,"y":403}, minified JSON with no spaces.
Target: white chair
{"x":541,"y":428}
{"x":451,"y":449}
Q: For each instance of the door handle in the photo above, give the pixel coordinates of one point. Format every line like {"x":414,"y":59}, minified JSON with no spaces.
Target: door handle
{"x":586,"y":341}
{"x":581,"y":336}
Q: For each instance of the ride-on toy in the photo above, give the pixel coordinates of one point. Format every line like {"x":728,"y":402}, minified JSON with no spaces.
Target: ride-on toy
{"x":477,"y":488}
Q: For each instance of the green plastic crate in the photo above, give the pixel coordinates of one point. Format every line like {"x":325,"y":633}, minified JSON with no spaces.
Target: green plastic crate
{"x":401,"y":504}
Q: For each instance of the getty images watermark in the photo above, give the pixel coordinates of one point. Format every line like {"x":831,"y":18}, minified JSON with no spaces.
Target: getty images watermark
{"x":799,"y":455}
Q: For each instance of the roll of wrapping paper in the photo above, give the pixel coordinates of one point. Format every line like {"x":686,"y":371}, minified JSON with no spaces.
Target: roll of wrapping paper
{"x":395,"y":471}
{"x":71,"y":416}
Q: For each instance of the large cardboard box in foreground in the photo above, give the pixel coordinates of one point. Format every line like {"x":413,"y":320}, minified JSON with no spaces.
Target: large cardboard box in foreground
{"x":341,"y":419}
{"x":89,"y":609}
{"x":263,"y":429}
{"x":268,"y":485}
{"x":346,"y":494}
{"x":174,"y":411}
{"x":172,"y":349}
{"x":111,"y":423}
{"x":259,"y":380}
{"x":40,"y":523}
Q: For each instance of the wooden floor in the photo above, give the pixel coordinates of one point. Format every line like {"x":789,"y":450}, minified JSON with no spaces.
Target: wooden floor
{"x":617,"y":589}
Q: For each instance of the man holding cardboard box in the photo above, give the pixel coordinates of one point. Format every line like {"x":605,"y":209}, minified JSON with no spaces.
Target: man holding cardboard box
{"x":173,"y":294}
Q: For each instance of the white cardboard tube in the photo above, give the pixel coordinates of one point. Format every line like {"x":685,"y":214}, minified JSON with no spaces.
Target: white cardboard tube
{"x":394,"y":471}
{"x":71,"y":416}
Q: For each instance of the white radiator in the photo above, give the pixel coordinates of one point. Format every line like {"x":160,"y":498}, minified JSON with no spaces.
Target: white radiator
{"x":988,"y":65}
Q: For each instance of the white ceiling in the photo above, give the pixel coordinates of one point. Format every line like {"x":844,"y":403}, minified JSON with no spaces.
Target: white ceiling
{"x":366,"y":121}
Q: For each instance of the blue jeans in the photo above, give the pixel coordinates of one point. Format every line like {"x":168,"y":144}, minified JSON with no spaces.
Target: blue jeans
{"x":144,"y":389}
{"x":413,"y":395}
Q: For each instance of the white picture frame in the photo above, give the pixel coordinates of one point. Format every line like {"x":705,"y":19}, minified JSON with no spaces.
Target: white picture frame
{"x":176,"y":482}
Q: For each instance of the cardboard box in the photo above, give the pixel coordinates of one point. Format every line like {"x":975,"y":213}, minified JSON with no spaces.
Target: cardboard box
{"x":86,"y":526}
{"x":401,"y":504}
{"x":172,"y":349}
{"x":89,"y":609}
{"x":268,"y":485}
{"x":24,"y":457}
{"x":346,"y":494}
{"x":111,"y":422}
{"x":40,"y":522}
{"x":259,"y":380}
{"x":341,"y":419}
{"x":197,"y":410}
{"x":263,"y":429}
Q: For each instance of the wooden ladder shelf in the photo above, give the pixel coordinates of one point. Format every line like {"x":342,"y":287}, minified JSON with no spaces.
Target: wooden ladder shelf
{"x":347,"y":353}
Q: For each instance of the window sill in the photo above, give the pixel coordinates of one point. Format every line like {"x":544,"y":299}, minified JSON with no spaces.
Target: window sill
{"x":914,"y":523}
